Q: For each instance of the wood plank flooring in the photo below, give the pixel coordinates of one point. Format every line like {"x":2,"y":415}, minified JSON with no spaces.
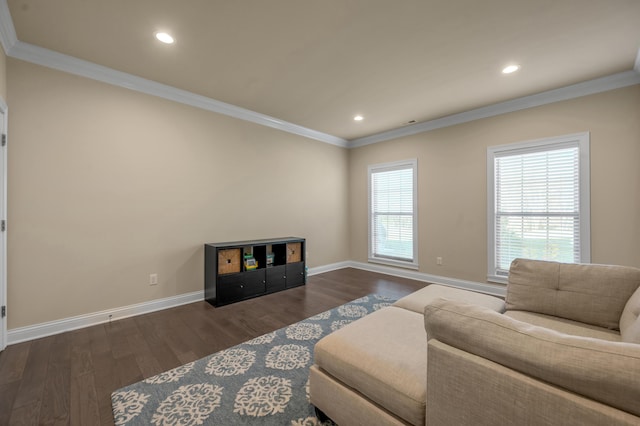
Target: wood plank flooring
{"x":67,"y":379}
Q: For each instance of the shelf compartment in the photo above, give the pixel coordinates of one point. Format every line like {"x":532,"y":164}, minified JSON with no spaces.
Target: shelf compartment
{"x":294,"y":252}
{"x":229,"y":261}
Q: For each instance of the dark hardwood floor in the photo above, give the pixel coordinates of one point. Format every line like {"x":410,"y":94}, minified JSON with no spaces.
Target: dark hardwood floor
{"x":68,"y":378}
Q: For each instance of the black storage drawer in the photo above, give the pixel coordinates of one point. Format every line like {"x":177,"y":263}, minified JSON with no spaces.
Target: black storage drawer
{"x":295,"y":274}
{"x":254,"y":284}
{"x":240,"y":286}
{"x":276,"y":278}
{"x":230,"y":288}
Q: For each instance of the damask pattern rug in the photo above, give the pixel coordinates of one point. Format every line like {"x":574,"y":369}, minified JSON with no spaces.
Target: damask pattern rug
{"x":263,"y":381}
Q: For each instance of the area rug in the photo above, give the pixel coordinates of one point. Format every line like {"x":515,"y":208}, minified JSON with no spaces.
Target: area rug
{"x":263,"y":381}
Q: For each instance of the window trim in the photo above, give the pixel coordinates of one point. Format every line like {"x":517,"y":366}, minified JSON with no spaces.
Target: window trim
{"x":580,"y":140}
{"x":373,"y":168}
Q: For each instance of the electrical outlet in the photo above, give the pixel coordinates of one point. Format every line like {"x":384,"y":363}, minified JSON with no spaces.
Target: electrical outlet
{"x":153,"y":279}
{"x":439,"y":261}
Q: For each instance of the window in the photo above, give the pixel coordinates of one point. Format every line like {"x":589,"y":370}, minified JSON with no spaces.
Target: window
{"x":393,"y":237}
{"x":538,"y":202}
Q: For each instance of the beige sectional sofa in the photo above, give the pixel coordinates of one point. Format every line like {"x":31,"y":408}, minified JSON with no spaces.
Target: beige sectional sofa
{"x":563,"y":350}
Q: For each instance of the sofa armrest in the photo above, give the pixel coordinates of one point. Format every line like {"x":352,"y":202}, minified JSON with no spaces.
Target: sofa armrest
{"x":608,"y":372}
{"x":630,"y":319}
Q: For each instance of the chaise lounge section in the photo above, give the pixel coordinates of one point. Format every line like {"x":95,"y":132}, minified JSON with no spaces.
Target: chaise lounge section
{"x":373,"y":371}
{"x":565,"y":351}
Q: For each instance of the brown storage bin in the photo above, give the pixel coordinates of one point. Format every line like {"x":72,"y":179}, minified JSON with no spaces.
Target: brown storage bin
{"x":229,"y":261}
{"x":294,"y":252}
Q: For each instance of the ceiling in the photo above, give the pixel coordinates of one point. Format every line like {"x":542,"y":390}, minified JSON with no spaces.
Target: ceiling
{"x":319,"y":63}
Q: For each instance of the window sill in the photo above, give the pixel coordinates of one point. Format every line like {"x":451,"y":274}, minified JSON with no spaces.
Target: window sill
{"x":396,"y":263}
{"x":499,"y":279}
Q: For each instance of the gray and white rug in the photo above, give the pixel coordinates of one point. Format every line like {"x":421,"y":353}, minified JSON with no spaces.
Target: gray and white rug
{"x":263,"y":381}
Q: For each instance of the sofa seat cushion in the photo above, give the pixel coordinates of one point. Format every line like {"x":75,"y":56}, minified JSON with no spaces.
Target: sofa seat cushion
{"x":418,"y":300}
{"x":383,"y":356}
{"x":566,"y":326}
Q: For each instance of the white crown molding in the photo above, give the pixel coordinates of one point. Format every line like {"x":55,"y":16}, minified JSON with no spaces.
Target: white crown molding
{"x":7,"y":31}
{"x":37,"y":331}
{"x":603,"y":84}
{"x":48,"y":58}
{"x":51,"y":59}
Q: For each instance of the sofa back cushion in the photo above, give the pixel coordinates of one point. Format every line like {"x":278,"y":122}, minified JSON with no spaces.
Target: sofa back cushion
{"x":630,"y":319}
{"x":593,"y":294}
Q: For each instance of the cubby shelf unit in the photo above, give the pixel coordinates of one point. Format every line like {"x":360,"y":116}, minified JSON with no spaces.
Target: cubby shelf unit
{"x":240,"y":270}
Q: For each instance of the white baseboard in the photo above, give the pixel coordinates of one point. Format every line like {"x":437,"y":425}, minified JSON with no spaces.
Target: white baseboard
{"x":492,"y":289}
{"x":328,"y":268}
{"x":37,"y":331}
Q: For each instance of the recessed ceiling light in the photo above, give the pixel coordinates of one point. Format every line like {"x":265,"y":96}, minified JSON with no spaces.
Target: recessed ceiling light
{"x":165,"y":38}
{"x":358,"y":118}
{"x":511,"y":68}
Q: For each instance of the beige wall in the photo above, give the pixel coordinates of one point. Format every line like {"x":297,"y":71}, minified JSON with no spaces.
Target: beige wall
{"x":3,"y":74}
{"x":452,"y":197}
{"x":107,"y":185}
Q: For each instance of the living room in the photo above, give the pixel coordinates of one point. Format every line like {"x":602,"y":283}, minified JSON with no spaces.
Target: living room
{"x":107,"y":185}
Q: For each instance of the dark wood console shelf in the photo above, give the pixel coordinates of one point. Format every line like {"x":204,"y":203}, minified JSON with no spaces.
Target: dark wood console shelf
{"x":241,"y":270}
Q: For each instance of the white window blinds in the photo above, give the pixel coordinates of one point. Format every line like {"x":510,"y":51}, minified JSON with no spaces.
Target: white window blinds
{"x":392,"y":213}
{"x":538,"y":210}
